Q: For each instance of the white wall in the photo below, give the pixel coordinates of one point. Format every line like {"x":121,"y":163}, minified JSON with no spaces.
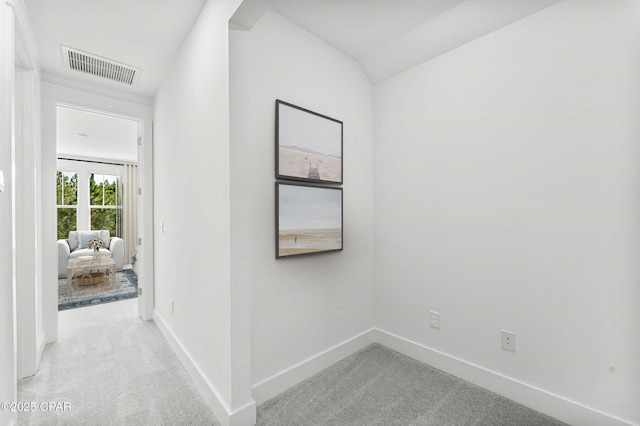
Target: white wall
{"x":300,"y":307}
{"x":191,"y":176}
{"x":507,"y":197}
{"x":28,"y":229}
{"x":7,"y":252}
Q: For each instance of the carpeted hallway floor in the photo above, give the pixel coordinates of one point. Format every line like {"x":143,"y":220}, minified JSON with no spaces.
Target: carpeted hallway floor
{"x":114,"y":369}
{"x":378,"y":386}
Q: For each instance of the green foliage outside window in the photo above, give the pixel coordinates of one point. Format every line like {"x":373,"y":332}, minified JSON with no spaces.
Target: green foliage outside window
{"x":106,"y":191}
{"x":66,"y":189}
{"x":67,"y":219}
{"x":110,"y":219}
{"x":66,"y":195}
{"x":103,"y":190}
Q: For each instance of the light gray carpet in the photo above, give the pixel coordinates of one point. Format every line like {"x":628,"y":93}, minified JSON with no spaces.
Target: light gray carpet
{"x":377,"y":386}
{"x":113,"y":369}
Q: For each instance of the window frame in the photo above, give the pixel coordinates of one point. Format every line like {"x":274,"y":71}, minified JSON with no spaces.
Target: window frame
{"x":118,"y":199}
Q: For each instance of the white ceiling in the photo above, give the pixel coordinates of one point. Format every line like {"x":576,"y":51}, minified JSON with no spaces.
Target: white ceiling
{"x":361,"y":26}
{"x":389,"y":36}
{"x":88,"y":135}
{"x":145,"y":34}
{"x":384,"y":36}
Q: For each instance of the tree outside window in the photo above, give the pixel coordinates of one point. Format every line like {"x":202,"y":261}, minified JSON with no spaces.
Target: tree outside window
{"x":67,"y":201}
{"x":105,"y":199}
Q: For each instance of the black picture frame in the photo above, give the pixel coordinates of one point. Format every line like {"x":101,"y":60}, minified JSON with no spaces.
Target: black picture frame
{"x":308,"y":145}
{"x":309,"y":219}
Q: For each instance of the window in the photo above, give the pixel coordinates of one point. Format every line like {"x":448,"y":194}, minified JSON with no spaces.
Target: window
{"x":89,"y":196}
{"x":67,"y":202}
{"x":105,"y":200}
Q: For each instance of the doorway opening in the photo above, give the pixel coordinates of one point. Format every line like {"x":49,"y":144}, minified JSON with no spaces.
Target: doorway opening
{"x":97,"y":181}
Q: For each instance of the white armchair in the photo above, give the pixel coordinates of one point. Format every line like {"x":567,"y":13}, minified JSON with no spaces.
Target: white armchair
{"x":76,"y":246}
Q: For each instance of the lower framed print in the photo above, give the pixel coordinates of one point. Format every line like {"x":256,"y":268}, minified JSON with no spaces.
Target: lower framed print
{"x":308,"y":219}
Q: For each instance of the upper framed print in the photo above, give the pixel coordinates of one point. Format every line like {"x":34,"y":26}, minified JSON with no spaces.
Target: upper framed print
{"x":308,"y":145}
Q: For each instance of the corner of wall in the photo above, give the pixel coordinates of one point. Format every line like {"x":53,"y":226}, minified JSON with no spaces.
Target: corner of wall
{"x":281,"y":381}
{"x":244,"y":416}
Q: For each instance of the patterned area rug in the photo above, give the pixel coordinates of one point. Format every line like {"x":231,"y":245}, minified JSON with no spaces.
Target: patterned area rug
{"x":126,"y":288}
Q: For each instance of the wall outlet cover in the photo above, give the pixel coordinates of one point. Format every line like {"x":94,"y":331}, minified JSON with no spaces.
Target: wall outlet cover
{"x":508,"y":340}
{"x":434,"y":319}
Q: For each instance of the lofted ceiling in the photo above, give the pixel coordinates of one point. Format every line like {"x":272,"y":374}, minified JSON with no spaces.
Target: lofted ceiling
{"x":386,"y":37}
{"x":144,"y":34}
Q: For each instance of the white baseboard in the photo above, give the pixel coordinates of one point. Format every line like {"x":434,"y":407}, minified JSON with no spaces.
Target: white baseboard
{"x":278,"y":383}
{"x":244,"y":416}
{"x":545,"y":402}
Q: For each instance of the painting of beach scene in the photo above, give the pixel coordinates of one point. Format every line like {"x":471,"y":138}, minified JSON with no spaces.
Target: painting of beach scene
{"x":309,"y":145}
{"x":308,"y":219}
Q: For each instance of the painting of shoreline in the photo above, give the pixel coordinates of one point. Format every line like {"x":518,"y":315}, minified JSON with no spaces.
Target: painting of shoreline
{"x":309,"y":241}
{"x":309,"y":219}
{"x":309,"y":145}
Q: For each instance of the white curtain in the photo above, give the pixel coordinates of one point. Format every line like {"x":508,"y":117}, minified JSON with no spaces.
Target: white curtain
{"x":130,"y":211}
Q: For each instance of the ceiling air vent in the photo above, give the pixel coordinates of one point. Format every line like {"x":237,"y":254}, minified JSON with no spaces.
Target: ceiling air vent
{"x":98,"y":66}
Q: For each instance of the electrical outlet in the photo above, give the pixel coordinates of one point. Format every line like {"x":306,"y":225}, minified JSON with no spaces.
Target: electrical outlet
{"x":434,"y":319}
{"x":508,"y":340}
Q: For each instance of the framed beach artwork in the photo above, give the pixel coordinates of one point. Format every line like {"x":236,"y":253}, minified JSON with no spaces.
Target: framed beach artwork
{"x":308,"y":219}
{"x":308,"y":145}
